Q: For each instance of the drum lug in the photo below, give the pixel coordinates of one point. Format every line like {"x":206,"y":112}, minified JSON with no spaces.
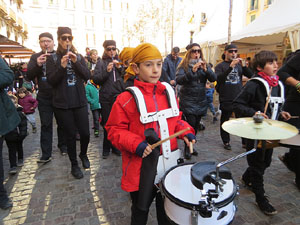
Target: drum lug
{"x":194,"y":217}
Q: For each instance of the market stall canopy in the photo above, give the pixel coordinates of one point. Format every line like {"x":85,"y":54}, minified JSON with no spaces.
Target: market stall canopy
{"x":12,"y":49}
{"x":272,"y":25}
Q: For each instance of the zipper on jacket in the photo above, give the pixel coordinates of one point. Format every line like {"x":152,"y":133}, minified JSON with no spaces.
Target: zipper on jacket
{"x":156,"y":108}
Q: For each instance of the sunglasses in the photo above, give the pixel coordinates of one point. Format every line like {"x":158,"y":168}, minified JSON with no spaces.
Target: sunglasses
{"x":232,"y":51}
{"x":196,"y":51}
{"x":109,"y":49}
{"x":64,"y":38}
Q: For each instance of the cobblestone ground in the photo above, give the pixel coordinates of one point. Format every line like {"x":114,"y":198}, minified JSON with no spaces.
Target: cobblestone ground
{"x":48,"y":194}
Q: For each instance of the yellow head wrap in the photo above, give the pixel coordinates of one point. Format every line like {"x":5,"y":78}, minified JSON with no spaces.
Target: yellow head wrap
{"x":140,"y":54}
{"x":126,"y":54}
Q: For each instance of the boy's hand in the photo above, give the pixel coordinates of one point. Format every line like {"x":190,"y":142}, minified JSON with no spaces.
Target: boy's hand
{"x":285,"y":115}
{"x":186,"y":140}
{"x":147,"y":151}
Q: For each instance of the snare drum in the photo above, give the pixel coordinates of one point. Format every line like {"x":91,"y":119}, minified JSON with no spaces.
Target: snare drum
{"x":182,"y":198}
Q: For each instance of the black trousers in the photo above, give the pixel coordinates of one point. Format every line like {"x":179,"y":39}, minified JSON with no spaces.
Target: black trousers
{"x":46,"y":112}
{"x":14,"y":148}
{"x":140,"y":217}
{"x":226,"y":114}
{"x":3,"y":194}
{"x":258,"y":162}
{"x":75,"y":119}
{"x":292,"y":157}
{"x":193,"y":120}
{"x":105,"y":111}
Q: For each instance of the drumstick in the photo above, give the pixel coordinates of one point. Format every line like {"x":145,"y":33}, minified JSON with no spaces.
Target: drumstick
{"x":268,"y":100}
{"x":168,"y":138}
{"x":294,"y":117}
{"x":191,"y":148}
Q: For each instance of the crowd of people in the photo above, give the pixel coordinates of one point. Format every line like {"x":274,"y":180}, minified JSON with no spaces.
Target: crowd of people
{"x":135,"y":93}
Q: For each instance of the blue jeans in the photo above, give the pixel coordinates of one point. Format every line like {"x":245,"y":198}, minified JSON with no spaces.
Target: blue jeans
{"x":3,"y":194}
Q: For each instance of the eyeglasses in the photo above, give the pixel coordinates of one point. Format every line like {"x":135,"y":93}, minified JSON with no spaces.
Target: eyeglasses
{"x":64,"y":38}
{"x":109,"y":49}
{"x":46,"y":41}
{"x":196,"y":51}
{"x":232,"y":51}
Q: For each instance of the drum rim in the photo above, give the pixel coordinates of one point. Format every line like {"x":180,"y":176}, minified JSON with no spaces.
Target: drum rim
{"x":192,"y":206}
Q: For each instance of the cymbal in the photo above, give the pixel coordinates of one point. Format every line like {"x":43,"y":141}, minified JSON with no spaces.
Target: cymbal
{"x":265,"y":130}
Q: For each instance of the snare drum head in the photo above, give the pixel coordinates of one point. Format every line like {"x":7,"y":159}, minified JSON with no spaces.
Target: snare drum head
{"x":177,"y":186}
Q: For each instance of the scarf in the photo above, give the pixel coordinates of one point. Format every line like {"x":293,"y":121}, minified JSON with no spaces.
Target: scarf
{"x":272,"y":80}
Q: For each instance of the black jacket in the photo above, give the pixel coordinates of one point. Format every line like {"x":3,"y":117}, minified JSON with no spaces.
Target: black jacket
{"x":192,"y":93}
{"x":20,"y":132}
{"x":35,"y":71}
{"x":106,"y":79}
{"x":229,"y":81}
{"x":57,"y":77}
{"x":252,"y":98}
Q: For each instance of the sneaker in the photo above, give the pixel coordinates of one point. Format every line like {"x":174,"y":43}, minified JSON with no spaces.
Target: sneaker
{"x":105,"y":155}
{"x":195,"y":153}
{"x":85,"y":161}
{"x":34,"y":130}
{"x":246,"y":184}
{"x":6,"y":204}
{"x":283,"y":160}
{"x":13,"y":170}
{"x":265,"y":206}
{"x":44,"y":160}
{"x":227,"y":146}
{"x":215,"y":119}
{"x":116,"y":152}
{"x":96,"y":133}
{"x":63,"y":150}
{"x":76,"y":172}
{"x":20,"y":163}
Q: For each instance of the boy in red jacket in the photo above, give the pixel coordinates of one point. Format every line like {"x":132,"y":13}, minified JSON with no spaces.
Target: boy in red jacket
{"x":157,"y":108}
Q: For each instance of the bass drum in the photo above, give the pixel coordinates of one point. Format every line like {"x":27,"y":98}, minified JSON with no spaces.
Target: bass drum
{"x":182,"y":198}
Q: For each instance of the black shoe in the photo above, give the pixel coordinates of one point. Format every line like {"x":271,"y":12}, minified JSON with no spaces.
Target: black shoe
{"x":44,"y":159}
{"x":227,"y":146}
{"x":13,"y":170}
{"x":265,"y":206}
{"x":187,"y":153}
{"x":215,"y":119}
{"x":76,"y":172}
{"x":105,"y":155}
{"x":85,"y":161}
{"x":20,"y":163}
{"x":116,"y":152}
{"x":195,"y":153}
{"x":34,"y":130}
{"x":63,"y":150}
{"x":96,"y":133}
{"x":6,"y":204}
{"x":246,"y":183}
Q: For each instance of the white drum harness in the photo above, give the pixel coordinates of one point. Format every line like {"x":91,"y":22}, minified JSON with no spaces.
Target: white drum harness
{"x":275,"y":102}
{"x":168,"y":159}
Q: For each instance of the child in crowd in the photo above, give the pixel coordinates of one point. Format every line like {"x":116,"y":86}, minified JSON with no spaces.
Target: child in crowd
{"x":14,"y":139}
{"x":251,"y":101}
{"x":126,"y":130}
{"x":210,"y":89}
{"x":92,"y":95}
{"x":29,"y":105}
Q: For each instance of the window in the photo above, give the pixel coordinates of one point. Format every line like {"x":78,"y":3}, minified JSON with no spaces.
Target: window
{"x":94,"y":37}
{"x":270,"y":2}
{"x":252,"y":18}
{"x":87,"y":39}
{"x":104,"y":23}
{"x":66,"y":3}
{"x":203,"y":17}
{"x":51,"y":2}
{"x":109,"y":5}
{"x":253,"y":5}
{"x":92,"y":4}
{"x":103,"y":4}
{"x":110,"y":20}
{"x":93,"y":21}
{"x":35,"y":2}
{"x":86,"y":22}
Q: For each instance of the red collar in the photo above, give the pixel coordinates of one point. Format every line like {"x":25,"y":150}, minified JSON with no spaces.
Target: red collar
{"x":272,"y":80}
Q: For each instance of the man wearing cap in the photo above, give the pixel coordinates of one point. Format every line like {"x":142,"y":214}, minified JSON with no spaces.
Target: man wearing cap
{"x":107,"y":72}
{"x":229,"y":84}
{"x":37,"y":71}
{"x":170,"y":65}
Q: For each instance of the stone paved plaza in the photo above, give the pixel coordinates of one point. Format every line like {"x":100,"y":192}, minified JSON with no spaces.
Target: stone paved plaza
{"x":48,"y":194}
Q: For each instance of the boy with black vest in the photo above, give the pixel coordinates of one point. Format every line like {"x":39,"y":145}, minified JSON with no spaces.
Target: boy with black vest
{"x":252,"y":100}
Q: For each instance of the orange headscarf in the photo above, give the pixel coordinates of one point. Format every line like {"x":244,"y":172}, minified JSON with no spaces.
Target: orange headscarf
{"x":126,"y":54}
{"x":140,"y":54}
